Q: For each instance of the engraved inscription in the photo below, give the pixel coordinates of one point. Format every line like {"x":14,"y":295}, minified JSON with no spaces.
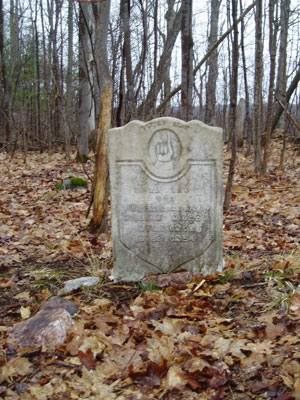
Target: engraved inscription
{"x":163,"y":213}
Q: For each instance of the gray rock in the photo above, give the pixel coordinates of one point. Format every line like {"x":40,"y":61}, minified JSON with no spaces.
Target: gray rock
{"x":47,"y":328}
{"x":166,"y":197}
{"x":67,"y":184}
{"x":77,"y":283}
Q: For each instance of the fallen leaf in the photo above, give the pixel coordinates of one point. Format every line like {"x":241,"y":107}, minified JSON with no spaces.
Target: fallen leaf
{"x":25,"y":312}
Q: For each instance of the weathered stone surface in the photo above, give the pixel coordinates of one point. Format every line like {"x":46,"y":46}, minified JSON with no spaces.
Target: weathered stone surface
{"x":240,"y":118}
{"x":166,"y":196}
{"x":86,"y":281}
{"x":47,"y":327}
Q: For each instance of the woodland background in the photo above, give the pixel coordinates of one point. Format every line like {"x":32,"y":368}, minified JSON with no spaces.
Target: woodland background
{"x":70,"y":70}
{"x":176,"y":58}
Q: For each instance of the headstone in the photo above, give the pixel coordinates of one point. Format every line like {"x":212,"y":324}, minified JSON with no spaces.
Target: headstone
{"x":166,"y":198}
{"x":240,"y":118}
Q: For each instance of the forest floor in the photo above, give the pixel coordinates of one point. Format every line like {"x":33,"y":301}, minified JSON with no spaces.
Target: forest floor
{"x":233,"y":335}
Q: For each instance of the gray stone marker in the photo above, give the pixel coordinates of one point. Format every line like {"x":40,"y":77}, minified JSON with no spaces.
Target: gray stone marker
{"x":166,"y":198}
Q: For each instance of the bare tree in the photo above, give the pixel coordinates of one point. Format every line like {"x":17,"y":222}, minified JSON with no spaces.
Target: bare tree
{"x":273,"y":31}
{"x":257,"y":86}
{"x":100,"y":187}
{"x":187,"y":77}
{"x":207,"y":55}
{"x":247,"y":122}
{"x":233,"y":103}
{"x":3,"y":74}
{"x":212,"y":64}
{"x":147,"y":108}
{"x":85,"y":85}
{"x":125,"y":16}
{"x":281,"y":74}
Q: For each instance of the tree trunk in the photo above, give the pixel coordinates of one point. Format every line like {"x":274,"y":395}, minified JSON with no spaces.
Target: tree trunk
{"x":125,"y":16}
{"x":100,"y":193}
{"x":69,"y":103}
{"x":257,"y":87}
{"x":85,"y":97}
{"x":289,"y":92}
{"x":273,"y":31}
{"x":212,"y":64}
{"x":187,"y":77}
{"x":247,"y":122}
{"x":100,"y":189}
{"x":281,"y":72}
{"x":207,"y":55}
{"x":148,"y":106}
{"x":232,"y":110}
{"x":3,"y":81}
{"x":170,"y":16}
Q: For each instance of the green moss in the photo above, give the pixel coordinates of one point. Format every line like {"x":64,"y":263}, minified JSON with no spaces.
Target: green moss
{"x":78,"y":182}
{"x":151,"y":287}
{"x":71,"y":183}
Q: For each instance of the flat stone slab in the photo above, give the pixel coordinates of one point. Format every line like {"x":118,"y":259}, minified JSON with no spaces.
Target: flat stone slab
{"x":166,"y":198}
{"x":86,"y":281}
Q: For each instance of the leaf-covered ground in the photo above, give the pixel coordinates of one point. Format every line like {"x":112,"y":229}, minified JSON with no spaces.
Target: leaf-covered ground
{"x":235,"y":335}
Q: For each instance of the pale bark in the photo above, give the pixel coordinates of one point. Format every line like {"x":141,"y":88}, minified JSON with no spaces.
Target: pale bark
{"x":100,"y":190}
{"x":100,"y":187}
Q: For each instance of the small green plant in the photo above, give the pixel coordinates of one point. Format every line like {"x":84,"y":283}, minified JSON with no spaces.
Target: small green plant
{"x":71,"y":183}
{"x":280,"y":288}
{"x":150,"y":287}
{"x":46,"y":277}
{"x":227,"y":276}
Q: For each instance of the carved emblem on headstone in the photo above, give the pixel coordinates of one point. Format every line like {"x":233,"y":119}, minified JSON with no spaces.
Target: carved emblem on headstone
{"x":164,"y":147}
